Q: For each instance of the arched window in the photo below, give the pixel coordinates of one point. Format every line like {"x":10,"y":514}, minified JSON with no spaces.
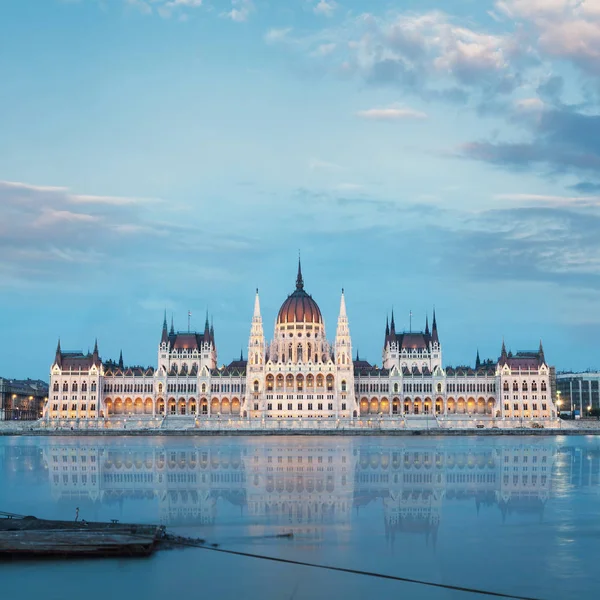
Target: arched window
{"x":255,"y":385}
{"x":534,"y":386}
{"x":543,"y":386}
{"x":320,"y":380}
{"x":204,"y":388}
{"x":299,"y":353}
{"x":55,"y":388}
{"x":515,"y":386}
{"x":310,"y":381}
{"x":330,"y":383}
{"x":439,"y":388}
{"x":270,"y":383}
{"x":395,"y":388}
{"x":74,"y":386}
{"x":524,"y":388}
{"x":344,"y":385}
{"x":506,"y":386}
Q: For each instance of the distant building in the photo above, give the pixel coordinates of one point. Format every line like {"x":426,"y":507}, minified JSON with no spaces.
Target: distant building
{"x":22,"y":400}
{"x":300,"y":374}
{"x":579,"y":392}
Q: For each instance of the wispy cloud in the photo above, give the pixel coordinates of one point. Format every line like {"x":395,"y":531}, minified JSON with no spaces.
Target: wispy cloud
{"x":391,"y":113}
{"x":274,"y":36}
{"x":240,"y":10}
{"x":325,"y":8}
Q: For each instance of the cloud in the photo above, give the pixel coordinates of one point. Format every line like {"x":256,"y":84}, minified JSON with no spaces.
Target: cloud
{"x":586,"y":187}
{"x":566,"y":29}
{"x":325,"y":8}
{"x":49,"y":217}
{"x":349,"y":187}
{"x":562,"y":140}
{"x":550,"y":200}
{"x":315,"y":164}
{"x":274,"y":36}
{"x":240,"y":10}
{"x":427,"y":54}
{"x":391,"y":114}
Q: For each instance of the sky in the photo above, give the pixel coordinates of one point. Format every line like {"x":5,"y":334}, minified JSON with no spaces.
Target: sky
{"x":178,"y":154}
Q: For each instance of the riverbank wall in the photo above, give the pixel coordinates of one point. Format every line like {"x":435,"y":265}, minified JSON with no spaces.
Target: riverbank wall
{"x":41,"y":428}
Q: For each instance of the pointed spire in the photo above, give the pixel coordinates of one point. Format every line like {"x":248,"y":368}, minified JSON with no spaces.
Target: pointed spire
{"x":434,"y":331}
{"x":172,"y":332}
{"x":164,"y":338}
{"x":343,"y":305}
{"x":206,"y":327}
{"x":477,"y":360}
{"x":212,"y":331}
{"x":257,"y":306}
{"x":541,"y":353}
{"x":121,"y":360}
{"x":241,"y":354}
{"x":426,"y":324}
{"x":503,"y":353}
{"x":357,"y":359}
{"x":95,"y":358}
{"x":58,"y":355}
{"x":387,"y":326}
{"x":299,"y":280}
{"x":392,"y":324}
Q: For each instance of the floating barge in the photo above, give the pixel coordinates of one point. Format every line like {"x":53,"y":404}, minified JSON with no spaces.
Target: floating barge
{"x":30,"y":537}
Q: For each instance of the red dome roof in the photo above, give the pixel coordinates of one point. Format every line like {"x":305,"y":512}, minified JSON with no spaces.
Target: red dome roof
{"x":299,"y":306}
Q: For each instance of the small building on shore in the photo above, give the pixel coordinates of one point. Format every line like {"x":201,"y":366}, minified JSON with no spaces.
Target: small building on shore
{"x":22,"y":399}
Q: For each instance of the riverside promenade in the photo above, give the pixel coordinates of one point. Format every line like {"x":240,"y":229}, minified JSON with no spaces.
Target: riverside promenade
{"x":211,"y":427}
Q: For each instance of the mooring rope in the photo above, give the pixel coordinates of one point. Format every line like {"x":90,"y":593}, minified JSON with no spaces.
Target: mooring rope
{"x":457,"y":588}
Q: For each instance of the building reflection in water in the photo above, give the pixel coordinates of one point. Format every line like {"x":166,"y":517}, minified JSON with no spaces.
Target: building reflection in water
{"x":302,"y":485}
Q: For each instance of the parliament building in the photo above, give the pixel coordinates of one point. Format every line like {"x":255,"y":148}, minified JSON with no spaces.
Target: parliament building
{"x":299,"y":375}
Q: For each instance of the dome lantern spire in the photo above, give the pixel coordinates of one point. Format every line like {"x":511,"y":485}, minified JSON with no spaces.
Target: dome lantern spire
{"x":299,"y":280}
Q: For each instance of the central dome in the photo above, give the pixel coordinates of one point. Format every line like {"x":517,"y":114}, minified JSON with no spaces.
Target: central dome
{"x":299,"y":306}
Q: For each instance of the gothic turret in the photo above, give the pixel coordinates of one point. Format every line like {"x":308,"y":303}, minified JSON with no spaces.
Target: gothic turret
{"x":121,"y":360}
{"x":343,"y":342}
{"x":256,"y":343}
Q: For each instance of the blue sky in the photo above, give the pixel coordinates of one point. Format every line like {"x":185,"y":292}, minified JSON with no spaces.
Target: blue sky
{"x":177,"y":154}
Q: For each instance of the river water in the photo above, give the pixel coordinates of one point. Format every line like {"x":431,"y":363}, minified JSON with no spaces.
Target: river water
{"x":515,"y":515}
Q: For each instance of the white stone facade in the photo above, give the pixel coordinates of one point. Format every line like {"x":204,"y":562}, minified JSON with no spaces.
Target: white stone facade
{"x":300,"y":375}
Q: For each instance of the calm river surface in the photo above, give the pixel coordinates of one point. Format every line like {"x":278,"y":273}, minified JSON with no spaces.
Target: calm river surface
{"x":507,"y":514}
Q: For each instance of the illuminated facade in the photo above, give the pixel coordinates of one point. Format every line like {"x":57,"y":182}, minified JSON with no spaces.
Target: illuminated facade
{"x":299,"y":376}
